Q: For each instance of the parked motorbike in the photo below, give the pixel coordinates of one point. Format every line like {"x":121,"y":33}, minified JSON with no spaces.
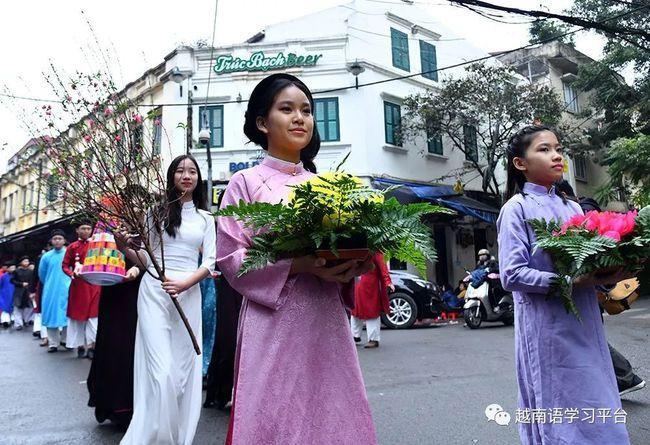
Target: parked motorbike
{"x":478,"y":307}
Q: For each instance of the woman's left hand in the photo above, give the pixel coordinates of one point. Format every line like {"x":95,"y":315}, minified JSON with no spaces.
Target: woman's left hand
{"x":174,"y":287}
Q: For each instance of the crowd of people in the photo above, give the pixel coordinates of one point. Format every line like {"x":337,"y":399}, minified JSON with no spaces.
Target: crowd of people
{"x":48,"y":295}
{"x":283,"y":347}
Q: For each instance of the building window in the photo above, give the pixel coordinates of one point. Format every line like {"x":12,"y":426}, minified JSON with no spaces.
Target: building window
{"x":400,"y":47}
{"x":428,"y":61}
{"x":121,"y":155}
{"x":32,"y":188}
{"x":471,"y":147}
{"x":580,"y":164}
{"x":23,"y":207}
{"x":52,"y":189}
{"x":434,"y":142}
{"x":326,"y":115}
{"x":213,"y":118}
{"x":392,"y":123}
{"x":157,"y":132}
{"x":570,"y":98}
{"x":137,"y":136}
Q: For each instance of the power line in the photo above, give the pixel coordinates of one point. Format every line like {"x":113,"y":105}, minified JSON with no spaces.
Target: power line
{"x":392,"y":79}
{"x":214,"y":29}
{"x":408,"y":38}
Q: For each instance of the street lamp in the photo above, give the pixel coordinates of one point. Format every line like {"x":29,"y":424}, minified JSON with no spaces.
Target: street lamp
{"x":204,"y":139}
{"x":177,"y":75}
{"x":355,"y":68}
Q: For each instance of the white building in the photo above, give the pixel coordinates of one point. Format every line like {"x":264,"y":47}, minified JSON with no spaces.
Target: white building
{"x":323,"y":49}
{"x":384,"y":41}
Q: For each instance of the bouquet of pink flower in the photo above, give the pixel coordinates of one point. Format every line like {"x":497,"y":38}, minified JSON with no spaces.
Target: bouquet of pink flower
{"x":597,"y":243}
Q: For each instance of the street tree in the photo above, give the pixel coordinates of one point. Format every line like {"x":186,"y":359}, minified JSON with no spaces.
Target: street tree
{"x":478,"y":113}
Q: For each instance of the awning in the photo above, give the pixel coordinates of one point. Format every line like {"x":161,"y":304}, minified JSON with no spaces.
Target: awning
{"x":469,"y":206}
{"x":30,"y":241}
{"x":439,"y":194}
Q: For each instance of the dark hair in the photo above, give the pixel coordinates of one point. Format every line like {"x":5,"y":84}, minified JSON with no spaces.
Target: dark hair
{"x":83,"y":222}
{"x":517,"y":146}
{"x":563,"y":186}
{"x":259,"y":105}
{"x":173,"y":219}
{"x":57,"y":232}
{"x":24,"y":257}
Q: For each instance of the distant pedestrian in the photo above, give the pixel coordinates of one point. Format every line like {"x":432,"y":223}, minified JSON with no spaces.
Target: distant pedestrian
{"x":7,"y":294}
{"x":54,"y":297}
{"x":22,"y":280}
{"x":370,"y":301}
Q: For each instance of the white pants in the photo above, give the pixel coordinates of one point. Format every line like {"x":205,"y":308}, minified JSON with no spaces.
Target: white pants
{"x":372,"y":327}
{"x":81,"y":333}
{"x":56,"y":336}
{"x":5,"y":317}
{"x":167,"y":389}
{"x":22,"y":316}
{"x":38,"y":325}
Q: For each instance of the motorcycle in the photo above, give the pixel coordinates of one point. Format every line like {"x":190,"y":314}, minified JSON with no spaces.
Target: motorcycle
{"x":478,"y":308}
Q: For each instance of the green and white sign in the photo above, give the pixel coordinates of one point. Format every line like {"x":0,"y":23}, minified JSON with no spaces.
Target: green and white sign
{"x":259,"y":62}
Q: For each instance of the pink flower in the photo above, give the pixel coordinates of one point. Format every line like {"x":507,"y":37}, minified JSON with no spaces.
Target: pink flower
{"x":574,"y":221}
{"x":88,"y":138}
{"x":621,"y":223}
{"x":157,"y":122}
{"x":609,"y":224}
{"x":118,"y":138}
{"x":137,"y":118}
{"x":107,"y":111}
{"x":90,"y":123}
{"x":613,"y":234}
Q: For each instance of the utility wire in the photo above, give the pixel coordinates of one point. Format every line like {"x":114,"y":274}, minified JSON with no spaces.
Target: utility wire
{"x":392,"y":79}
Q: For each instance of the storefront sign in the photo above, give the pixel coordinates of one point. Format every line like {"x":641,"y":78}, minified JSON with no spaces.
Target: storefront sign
{"x":236,"y":166}
{"x":259,"y":62}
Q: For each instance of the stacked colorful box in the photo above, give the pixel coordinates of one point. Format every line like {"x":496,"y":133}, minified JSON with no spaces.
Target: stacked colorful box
{"x":103,"y":255}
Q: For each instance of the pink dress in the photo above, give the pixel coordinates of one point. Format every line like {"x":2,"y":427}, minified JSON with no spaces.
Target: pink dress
{"x":297,"y":375}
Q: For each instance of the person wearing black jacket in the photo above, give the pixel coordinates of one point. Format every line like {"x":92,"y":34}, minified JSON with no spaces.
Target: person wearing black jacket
{"x":22,"y":279}
{"x":626,"y":379}
{"x":221,"y":371}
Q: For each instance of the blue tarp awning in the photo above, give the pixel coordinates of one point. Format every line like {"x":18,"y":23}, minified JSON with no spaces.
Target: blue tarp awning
{"x":472,"y":207}
{"x":440,"y":194}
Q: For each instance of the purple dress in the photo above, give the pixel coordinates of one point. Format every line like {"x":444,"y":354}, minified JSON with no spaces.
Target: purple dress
{"x":563,"y":367}
{"x":297,"y":377}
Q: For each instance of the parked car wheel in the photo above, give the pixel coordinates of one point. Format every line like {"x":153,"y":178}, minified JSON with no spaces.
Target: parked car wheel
{"x":403,"y":311}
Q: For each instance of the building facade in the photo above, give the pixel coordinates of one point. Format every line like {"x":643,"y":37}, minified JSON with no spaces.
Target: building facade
{"x":556,"y":64}
{"x":360,"y":60}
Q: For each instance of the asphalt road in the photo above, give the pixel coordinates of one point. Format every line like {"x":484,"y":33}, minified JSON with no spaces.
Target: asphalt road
{"x":428,"y":385}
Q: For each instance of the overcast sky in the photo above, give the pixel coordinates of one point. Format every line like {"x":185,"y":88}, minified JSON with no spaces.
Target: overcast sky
{"x":141,"y":33}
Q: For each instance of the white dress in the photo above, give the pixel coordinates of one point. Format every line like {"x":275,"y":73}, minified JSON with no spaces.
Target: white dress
{"x":167,"y":386}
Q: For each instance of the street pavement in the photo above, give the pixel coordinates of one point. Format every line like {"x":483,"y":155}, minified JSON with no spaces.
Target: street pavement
{"x":428,"y":385}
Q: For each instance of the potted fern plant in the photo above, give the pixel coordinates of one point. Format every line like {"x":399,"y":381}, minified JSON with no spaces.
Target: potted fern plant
{"x":334,"y":216}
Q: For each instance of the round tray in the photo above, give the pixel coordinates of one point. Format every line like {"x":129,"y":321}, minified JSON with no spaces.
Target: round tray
{"x":102,"y":278}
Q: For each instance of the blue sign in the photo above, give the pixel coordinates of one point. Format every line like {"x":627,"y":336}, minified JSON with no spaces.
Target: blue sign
{"x":236,"y":166}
